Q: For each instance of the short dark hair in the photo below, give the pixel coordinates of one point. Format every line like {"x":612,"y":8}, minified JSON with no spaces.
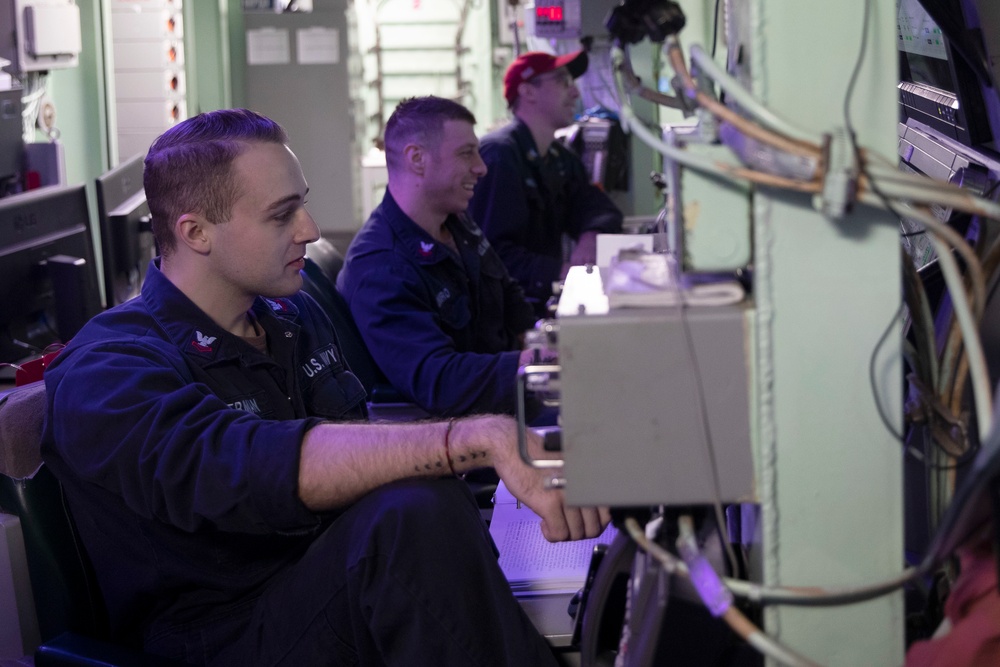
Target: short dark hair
{"x":419,"y":120}
{"x":189,"y":167}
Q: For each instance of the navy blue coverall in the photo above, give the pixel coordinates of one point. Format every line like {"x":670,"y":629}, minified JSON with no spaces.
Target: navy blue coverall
{"x":526,"y":203}
{"x":444,"y":329}
{"x":178,"y":446}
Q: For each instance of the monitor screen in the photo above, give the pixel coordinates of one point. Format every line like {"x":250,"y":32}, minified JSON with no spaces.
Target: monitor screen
{"x":48,"y":278}
{"x":126,"y":238}
{"x":938,"y":86}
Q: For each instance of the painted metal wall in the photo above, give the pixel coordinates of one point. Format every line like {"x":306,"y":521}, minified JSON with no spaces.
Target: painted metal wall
{"x":825,"y":290}
{"x":312,"y":103}
{"x":81,"y":94}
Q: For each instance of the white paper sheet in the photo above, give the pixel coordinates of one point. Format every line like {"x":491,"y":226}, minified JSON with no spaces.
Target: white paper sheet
{"x":317,"y":45}
{"x":268,"y":46}
{"x":531,"y":563}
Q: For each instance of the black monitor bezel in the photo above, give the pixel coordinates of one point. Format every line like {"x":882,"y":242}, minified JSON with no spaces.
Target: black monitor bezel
{"x":34,"y":227}
{"x":123,"y":220}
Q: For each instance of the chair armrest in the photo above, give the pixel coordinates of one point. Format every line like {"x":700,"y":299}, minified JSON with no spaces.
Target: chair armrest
{"x":386,"y":403}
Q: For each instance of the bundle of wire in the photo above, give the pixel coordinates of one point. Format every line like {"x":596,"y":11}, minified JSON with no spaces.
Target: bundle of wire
{"x":941,"y":379}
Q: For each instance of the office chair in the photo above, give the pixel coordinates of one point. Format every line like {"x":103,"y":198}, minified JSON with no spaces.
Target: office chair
{"x":61,"y":615}
{"x":385,"y":403}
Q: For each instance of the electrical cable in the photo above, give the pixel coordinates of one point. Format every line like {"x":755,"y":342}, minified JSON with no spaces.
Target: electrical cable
{"x":970,"y":509}
{"x":746,"y":127}
{"x":925,"y":374}
{"x":941,"y":422}
{"x":953,"y":363}
{"x":949,"y":381}
{"x":726,"y":170}
{"x":635,"y":87}
{"x":959,"y":198}
{"x":871,"y":375}
{"x":949,"y":236}
{"x":763,"y":642}
{"x":945,"y":400}
{"x":887,"y":172}
{"x":981,"y":387}
{"x":898,"y":186}
{"x":954,"y":367}
{"x":706,"y":430}
{"x":925,"y":193}
{"x":947,"y":378}
{"x":956,"y":388}
{"x":34,"y":86}
{"x":745,"y":99}
{"x":684,"y":158}
{"x":915,"y":297}
{"x":939,"y":234}
{"x":715,"y":26}
{"x":923,"y":459}
{"x":735,"y":619}
{"x":798,"y":596}
{"x":735,"y":90}
{"x":853,"y":80}
{"x":680,"y":156}
{"x":719,"y":602}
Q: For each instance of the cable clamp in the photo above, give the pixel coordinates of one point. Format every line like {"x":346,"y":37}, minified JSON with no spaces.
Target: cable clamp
{"x":840,"y":184}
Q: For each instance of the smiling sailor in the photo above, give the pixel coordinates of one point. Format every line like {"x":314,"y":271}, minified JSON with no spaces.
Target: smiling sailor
{"x":439,"y":312}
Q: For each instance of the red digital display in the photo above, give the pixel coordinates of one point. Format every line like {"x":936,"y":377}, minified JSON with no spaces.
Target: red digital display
{"x":549,"y":13}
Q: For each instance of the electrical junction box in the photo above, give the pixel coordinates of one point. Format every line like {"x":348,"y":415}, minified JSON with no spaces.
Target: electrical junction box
{"x":633,"y":386}
{"x":40,"y":35}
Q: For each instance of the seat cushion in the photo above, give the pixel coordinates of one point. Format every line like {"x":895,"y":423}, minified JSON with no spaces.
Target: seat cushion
{"x":22,"y":414}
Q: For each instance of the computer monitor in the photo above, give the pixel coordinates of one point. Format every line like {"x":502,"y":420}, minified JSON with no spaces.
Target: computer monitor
{"x":127,"y":243}
{"x":11,"y":139}
{"x":48,"y":277}
{"x":945,"y":79}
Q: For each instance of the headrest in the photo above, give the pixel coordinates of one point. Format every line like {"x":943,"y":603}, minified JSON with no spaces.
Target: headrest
{"x":22,"y":414}
{"x":327,"y":258}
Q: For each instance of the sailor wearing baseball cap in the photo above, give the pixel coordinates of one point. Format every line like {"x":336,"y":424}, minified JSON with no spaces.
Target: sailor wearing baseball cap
{"x":536,"y":191}
{"x":531,"y":66}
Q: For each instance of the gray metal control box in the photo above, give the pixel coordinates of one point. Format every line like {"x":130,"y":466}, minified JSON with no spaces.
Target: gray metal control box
{"x":632,"y":426}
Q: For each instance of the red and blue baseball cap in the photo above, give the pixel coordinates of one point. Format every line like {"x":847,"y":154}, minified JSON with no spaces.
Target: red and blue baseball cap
{"x":535,"y":63}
